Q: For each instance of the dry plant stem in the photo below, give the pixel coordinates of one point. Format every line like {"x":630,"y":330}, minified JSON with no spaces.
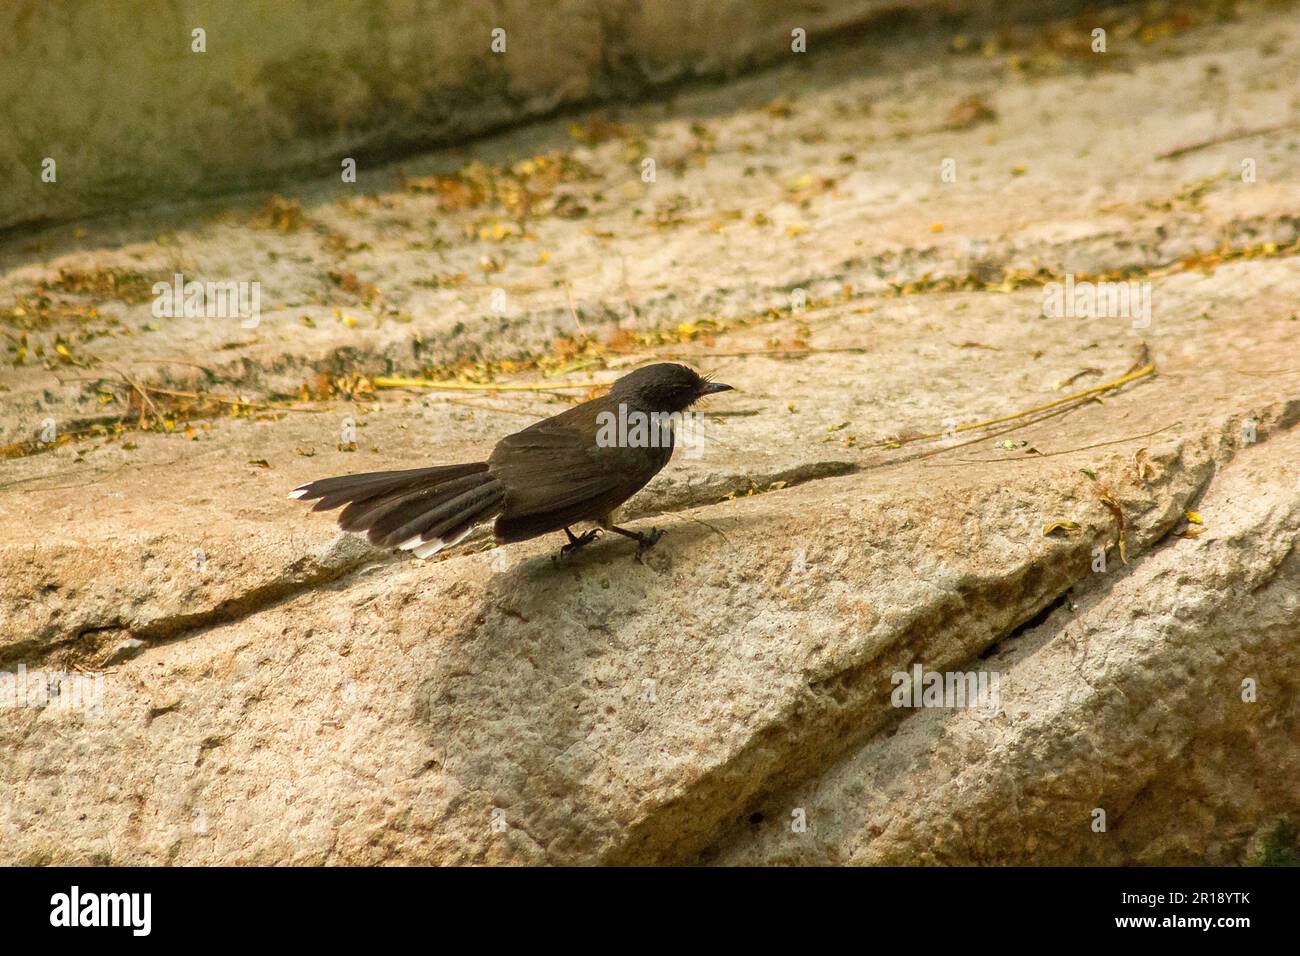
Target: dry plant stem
{"x":491,"y":408}
{"x":198,"y":397}
{"x":1132,"y":376}
{"x":850,"y":349}
{"x":140,"y":390}
{"x":144,"y":390}
{"x":1001,"y":431}
{"x":1226,"y":138}
{"x":1063,"y":451}
{"x":392,"y":382}
{"x":573,"y":310}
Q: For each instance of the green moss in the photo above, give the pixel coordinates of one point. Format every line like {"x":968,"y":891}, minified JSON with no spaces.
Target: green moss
{"x":1280,"y":846}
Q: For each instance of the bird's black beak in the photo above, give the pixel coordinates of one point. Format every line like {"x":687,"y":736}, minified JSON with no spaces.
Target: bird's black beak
{"x":712,"y":388}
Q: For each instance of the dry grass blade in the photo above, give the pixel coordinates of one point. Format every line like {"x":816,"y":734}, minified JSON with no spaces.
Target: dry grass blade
{"x":492,"y":408}
{"x":1132,"y":376}
{"x":225,"y":400}
{"x":1226,"y":138}
{"x":1064,"y":451}
{"x":394,"y":382}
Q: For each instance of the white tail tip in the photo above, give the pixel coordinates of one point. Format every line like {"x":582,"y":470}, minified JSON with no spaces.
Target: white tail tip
{"x":427,"y":549}
{"x":430,"y":548}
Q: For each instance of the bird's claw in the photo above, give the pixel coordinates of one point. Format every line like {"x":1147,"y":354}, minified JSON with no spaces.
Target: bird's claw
{"x":578,"y":541}
{"x":646,"y":542}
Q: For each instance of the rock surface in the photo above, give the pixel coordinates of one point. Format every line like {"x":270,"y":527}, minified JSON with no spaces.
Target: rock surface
{"x":273,"y":692}
{"x":137,"y":101}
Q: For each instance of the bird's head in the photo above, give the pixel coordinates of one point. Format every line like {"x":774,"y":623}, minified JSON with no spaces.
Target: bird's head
{"x":665,"y":387}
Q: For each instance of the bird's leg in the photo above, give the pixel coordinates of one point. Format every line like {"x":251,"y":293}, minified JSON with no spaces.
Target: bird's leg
{"x":644,"y":542}
{"x":577,"y":541}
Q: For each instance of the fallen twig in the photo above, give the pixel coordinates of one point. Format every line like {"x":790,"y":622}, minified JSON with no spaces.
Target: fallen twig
{"x":1226,"y":138}
{"x":145,"y":400}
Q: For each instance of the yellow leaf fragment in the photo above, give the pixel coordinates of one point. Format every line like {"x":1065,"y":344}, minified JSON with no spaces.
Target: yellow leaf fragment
{"x":1067,"y":527}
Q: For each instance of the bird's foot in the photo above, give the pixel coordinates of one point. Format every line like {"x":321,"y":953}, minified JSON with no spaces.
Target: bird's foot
{"x":644,"y":542}
{"x":647,"y":541}
{"x":577,"y":541}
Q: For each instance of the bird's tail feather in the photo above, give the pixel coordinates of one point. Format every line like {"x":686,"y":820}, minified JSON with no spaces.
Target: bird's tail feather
{"x":423,"y":510}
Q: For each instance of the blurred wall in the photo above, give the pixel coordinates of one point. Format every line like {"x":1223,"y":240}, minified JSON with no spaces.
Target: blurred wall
{"x":112,"y":92}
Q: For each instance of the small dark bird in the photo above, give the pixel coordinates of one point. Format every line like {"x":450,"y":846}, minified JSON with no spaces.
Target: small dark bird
{"x":578,"y":466}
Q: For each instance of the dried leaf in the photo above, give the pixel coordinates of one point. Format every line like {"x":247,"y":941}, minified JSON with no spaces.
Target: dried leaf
{"x":971,"y":111}
{"x":1109,"y":501}
{"x":1067,"y":527}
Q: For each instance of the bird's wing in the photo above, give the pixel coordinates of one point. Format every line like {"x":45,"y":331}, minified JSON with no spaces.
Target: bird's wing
{"x":556,"y":466}
{"x":552,"y":468}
